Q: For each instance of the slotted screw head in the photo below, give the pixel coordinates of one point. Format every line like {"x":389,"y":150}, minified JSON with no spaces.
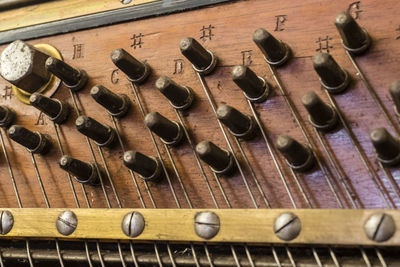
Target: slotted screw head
{"x":7,"y":222}
{"x":23,"y":65}
{"x":287,"y":226}
{"x":66,"y":222}
{"x":133,"y":224}
{"x":380,"y":227}
{"x":206,"y":224}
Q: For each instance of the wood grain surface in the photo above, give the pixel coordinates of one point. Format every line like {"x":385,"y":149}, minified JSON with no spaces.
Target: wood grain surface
{"x":232,"y":25}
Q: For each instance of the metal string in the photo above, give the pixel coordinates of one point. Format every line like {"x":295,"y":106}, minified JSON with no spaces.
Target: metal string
{"x":335,"y":167}
{"x":135,"y":91}
{"x":212,"y":104}
{"x":296,"y":116}
{"x":69,"y":176}
{"x":15,"y":190}
{"x":357,"y":146}
{"x":73,"y":96}
{"x":372,"y":92}
{"x":47,"y":202}
{"x":73,"y":189}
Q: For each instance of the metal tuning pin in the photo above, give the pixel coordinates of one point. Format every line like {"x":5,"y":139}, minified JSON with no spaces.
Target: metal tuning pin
{"x":23,"y":65}
{"x":170,"y":132}
{"x":135,"y":70}
{"x":220,"y":160}
{"x":239,"y":124}
{"x":276,"y":52}
{"x":103,"y":135}
{"x":180,"y":97}
{"x":298,"y":157}
{"x":203,"y":60}
{"x":395,"y":93}
{"x":74,"y":79}
{"x":254,"y":87}
{"x":149,"y":168}
{"x":332,"y":77}
{"x":55,"y":109}
{"x":7,"y":116}
{"x":386,"y":146}
{"x":84,"y":172}
{"x":35,"y":142}
{"x":354,"y":38}
{"x":117,"y":105}
{"x":322,"y":116}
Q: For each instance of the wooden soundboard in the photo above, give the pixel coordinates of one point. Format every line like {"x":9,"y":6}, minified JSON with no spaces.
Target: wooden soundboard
{"x":348,"y":177}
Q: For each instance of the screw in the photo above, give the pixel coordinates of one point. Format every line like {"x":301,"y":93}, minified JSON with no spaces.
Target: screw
{"x":239,"y":124}
{"x":117,"y":105}
{"x":103,"y":135}
{"x":275,"y":52}
{"x":322,"y":115}
{"x":7,"y":222}
{"x":254,"y":87}
{"x":180,"y":97}
{"x":148,"y":167}
{"x":332,"y":76}
{"x":23,"y":65}
{"x":170,"y":132}
{"x":219,"y":159}
{"x":7,"y":116}
{"x":355,"y":39}
{"x":206,"y":224}
{"x":203,"y":61}
{"x":57,"y":110}
{"x":125,"y":2}
{"x":66,"y":222}
{"x":83,"y":172}
{"x":136,"y":71}
{"x":35,"y":142}
{"x":133,"y":224}
{"x":298,"y":156}
{"x":395,"y":93}
{"x":287,"y":226}
{"x":75,"y":79}
{"x":380,"y":227}
{"x":386,"y":146}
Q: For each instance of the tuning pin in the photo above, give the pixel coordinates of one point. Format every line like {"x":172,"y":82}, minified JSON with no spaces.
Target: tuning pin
{"x":254,"y":87}
{"x":203,"y":60}
{"x":55,"y":109}
{"x":7,"y":116}
{"x":84,"y":172}
{"x":275,"y":52}
{"x":239,"y":124}
{"x":74,"y":79}
{"x":332,"y":77}
{"x":117,"y":105}
{"x":149,"y":168}
{"x":354,"y":38}
{"x":386,"y":146}
{"x":395,"y":93}
{"x":298,"y":157}
{"x":35,"y":142}
{"x":135,"y":70}
{"x":103,"y":135}
{"x":322,"y":115}
{"x":170,"y":132}
{"x":220,"y":160}
{"x":180,"y":97}
{"x":23,"y":65}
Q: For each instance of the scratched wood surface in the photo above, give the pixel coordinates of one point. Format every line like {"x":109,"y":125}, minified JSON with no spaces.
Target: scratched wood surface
{"x":307,"y":27}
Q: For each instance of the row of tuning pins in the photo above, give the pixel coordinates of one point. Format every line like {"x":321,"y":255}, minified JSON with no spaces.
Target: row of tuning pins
{"x":256,"y":89}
